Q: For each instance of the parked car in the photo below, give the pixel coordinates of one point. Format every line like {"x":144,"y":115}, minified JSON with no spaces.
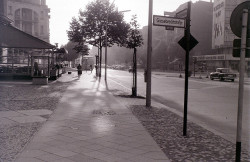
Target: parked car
{"x":222,"y":74}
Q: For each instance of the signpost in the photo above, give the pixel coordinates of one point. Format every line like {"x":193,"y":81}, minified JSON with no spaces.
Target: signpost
{"x":239,"y":23}
{"x":169,"y":28}
{"x":182,"y":20}
{"x":182,"y":13}
{"x":149,"y":55}
{"x":168,"y":21}
{"x":168,"y":14}
{"x":237,"y":48}
{"x":187,"y":43}
{"x":193,"y":43}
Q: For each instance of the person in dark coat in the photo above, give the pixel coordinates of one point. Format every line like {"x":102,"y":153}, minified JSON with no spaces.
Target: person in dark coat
{"x":79,"y":69}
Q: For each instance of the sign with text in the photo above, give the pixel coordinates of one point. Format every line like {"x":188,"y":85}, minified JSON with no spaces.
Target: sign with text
{"x":181,"y":14}
{"x":169,"y":27}
{"x":218,"y":30}
{"x":168,"y":21}
{"x":210,"y":57}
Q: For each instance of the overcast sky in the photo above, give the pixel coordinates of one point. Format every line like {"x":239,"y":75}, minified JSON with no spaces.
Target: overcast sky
{"x":62,"y":11}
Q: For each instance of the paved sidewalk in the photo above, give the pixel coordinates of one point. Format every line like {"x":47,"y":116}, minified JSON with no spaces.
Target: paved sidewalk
{"x":89,"y":124}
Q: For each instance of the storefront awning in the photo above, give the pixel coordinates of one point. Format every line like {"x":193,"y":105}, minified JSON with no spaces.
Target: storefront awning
{"x":11,"y":37}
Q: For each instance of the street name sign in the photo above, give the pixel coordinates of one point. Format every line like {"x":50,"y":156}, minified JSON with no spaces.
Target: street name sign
{"x":237,"y":48}
{"x":182,"y":14}
{"x":166,"y":13}
{"x":168,"y":21}
{"x":183,"y":41}
{"x":169,"y":27}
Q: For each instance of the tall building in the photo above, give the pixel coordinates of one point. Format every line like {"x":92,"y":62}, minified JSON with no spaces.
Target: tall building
{"x":222,"y":35}
{"x":17,"y":54}
{"x":201,"y":23}
{"x":30,"y":16}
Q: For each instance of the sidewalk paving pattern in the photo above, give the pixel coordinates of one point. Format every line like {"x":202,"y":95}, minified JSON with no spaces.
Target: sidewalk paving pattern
{"x":93,"y":122}
{"x":89,"y":124}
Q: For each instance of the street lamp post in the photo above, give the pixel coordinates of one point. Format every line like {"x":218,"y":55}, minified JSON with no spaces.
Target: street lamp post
{"x":106,"y":40}
{"x":96,"y":64}
{"x":149,"y":54}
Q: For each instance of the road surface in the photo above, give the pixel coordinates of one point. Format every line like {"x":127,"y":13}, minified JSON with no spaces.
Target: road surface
{"x":211,"y":104}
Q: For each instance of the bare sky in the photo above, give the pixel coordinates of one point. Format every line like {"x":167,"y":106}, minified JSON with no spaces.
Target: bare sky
{"x":62,"y":11}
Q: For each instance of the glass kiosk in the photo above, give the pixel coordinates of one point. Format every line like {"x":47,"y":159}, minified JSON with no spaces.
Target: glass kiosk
{"x":40,"y":69}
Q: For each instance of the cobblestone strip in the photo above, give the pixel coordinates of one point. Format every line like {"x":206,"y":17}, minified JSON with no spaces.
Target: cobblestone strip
{"x":166,"y":129}
{"x":15,"y":97}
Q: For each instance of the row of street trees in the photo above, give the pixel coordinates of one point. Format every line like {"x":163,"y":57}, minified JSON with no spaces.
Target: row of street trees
{"x":102,"y":25}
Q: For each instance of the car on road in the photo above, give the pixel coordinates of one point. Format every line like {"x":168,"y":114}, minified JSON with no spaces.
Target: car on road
{"x":223,"y":74}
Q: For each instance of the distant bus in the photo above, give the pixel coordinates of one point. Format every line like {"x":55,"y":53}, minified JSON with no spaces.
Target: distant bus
{"x":87,"y":62}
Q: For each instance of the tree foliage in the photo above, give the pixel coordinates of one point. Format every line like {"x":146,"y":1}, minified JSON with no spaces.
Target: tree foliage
{"x":134,"y":36}
{"x":90,"y":27}
{"x":72,"y":53}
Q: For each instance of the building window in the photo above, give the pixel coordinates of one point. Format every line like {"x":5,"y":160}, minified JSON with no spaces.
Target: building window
{"x":10,"y":10}
{"x":26,"y":14}
{"x":17,"y":14}
{"x":42,"y":15}
{"x":42,"y":30}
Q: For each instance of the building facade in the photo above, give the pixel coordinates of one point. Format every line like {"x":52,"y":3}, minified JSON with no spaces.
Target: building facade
{"x":30,"y":16}
{"x":222,"y":36}
{"x":201,"y":23}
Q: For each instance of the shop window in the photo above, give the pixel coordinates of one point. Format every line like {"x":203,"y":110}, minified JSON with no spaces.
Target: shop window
{"x":17,"y":14}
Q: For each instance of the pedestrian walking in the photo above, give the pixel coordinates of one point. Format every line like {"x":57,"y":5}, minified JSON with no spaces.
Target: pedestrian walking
{"x":91,"y":68}
{"x":79,"y":70}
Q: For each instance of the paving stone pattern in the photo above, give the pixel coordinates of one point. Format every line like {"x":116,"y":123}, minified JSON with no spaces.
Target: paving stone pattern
{"x":165,"y":127}
{"x":199,"y":145}
{"x":17,"y":101}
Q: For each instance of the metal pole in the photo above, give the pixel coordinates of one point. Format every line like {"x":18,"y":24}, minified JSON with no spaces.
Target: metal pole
{"x":98,"y":62}
{"x":135,"y":72}
{"x":194,"y":65}
{"x":106,"y":41}
{"x":187,"y":35}
{"x":241,"y":84}
{"x":149,"y":54}
{"x":100,"y":59}
{"x":106,"y":48}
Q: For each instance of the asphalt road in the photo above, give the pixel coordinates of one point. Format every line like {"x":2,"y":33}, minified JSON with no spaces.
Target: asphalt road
{"x":211,"y":104}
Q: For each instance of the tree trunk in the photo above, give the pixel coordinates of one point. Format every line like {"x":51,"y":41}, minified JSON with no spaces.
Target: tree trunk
{"x":135,"y":72}
{"x":134,"y":88}
{"x":100,"y":72}
{"x":100,"y":62}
